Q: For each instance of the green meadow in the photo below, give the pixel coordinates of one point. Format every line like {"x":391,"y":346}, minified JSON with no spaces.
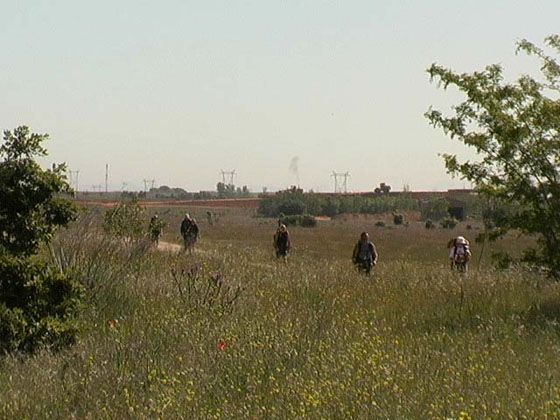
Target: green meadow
{"x":229,"y":332}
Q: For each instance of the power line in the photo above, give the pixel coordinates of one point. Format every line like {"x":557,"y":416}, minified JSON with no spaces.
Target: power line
{"x":75,"y":180}
{"x":148,"y":181}
{"x":340,"y":181}
{"x":106,"y":177}
{"x":230,"y":174}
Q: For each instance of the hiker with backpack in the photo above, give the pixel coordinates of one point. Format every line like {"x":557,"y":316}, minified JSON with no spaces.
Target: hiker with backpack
{"x":156,"y":229}
{"x":190,"y":232}
{"x":459,"y":254}
{"x":365,"y":254}
{"x":282,"y":242}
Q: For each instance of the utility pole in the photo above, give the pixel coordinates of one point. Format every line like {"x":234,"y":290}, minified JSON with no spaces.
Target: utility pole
{"x":340,"y":181}
{"x":75,"y":180}
{"x":106,"y":177}
{"x":230,"y":174}
{"x":148,"y":181}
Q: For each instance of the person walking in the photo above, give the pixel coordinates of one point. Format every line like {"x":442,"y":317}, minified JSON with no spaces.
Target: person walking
{"x":155,"y":229}
{"x":460,"y":254}
{"x":190,"y":232}
{"x":282,"y":242}
{"x":365,"y":254}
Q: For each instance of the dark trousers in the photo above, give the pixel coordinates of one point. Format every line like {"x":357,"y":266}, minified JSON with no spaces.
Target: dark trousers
{"x":281,"y":252}
{"x":364,"y":265}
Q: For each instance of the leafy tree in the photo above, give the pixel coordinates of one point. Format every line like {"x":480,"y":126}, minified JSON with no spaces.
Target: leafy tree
{"x":448,"y":222}
{"x":30,"y":204}
{"x":126,"y":221}
{"x":515,"y":129}
{"x":435,"y":209}
{"x":225,"y":190}
{"x":36,"y":302}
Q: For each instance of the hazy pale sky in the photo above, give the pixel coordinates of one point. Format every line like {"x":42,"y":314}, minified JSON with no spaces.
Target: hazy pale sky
{"x":177,"y":90}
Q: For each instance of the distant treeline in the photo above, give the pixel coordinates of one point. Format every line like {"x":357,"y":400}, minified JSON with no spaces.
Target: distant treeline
{"x":294,"y":202}
{"x":222,"y":191}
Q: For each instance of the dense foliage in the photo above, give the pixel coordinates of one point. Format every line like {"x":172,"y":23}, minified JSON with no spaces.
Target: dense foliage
{"x":303,"y":220}
{"x":435,"y":209}
{"x":30,"y":205}
{"x":127,"y":221}
{"x":37,"y":303}
{"x":515,"y":130}
{"x":294,"y":202}
{"x":229,"y":191}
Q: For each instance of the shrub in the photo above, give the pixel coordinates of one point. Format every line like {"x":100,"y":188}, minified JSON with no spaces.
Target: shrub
{"x":429,"y":224}
{"x":305,"y":220}
{"x":435,"y":209}
{"x":448,"y":222}
{"x":380,"y":224}
{"x":398,"y":219}
{"x":96,"y":260}
{"x":502,"y":260}
{"x":198,"y":292}
{"x":126,"y":221}
{"x":292,"y":220}
{"x":36,"y":305}
{"x":297,"y":202}
{"x":308,"y":221}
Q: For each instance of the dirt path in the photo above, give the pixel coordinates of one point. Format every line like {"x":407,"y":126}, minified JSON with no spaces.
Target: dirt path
{"x":169,"y":247}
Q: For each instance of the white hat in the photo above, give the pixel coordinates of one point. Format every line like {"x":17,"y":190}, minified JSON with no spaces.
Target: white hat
{"x":460,"y":240}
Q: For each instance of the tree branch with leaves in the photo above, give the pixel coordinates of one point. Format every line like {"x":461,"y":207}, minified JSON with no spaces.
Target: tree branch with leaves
{"x":515,"y":129}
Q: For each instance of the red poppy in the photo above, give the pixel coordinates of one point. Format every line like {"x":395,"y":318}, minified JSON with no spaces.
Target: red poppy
{"x":222,"y":345}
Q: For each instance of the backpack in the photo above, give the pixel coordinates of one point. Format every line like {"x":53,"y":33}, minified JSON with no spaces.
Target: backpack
{"x":463,"y":256}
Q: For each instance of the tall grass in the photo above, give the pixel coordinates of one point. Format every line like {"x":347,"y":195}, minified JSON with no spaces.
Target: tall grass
{"x":307,"y":339}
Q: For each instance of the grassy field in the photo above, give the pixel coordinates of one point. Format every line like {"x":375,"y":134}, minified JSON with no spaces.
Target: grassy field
{"x":228,"y":332}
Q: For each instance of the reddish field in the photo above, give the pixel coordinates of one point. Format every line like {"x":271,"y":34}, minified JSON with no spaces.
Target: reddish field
{"x":239,"y":203}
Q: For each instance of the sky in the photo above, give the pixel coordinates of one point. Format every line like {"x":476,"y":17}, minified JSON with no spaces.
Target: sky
{"x":282,"y":92}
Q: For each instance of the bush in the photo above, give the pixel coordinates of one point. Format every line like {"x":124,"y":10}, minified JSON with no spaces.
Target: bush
{"x":292,"y":220}
{"x":97,"y":261}
{"x":398,"y":219}
{"x":297,"y":202}
{"x":37,"y":302}
{"x":305,"y":220}
{"x":380,"y":224}
{"x":127,"y":221}
{"x":292,"y":207}
{"x":448,"y":222}
{"x":36,"y":305}
{"x":502,"y":260}
{"x":435,"y":209}
{"x":308,"y":221}
{"x":429,"y":224}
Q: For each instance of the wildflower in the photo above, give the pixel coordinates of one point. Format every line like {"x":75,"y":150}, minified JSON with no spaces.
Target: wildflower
{"x":192,"y":271}
{"x":222,"y":345}
{"x":218,"y":278}
{"x":113,"y":323}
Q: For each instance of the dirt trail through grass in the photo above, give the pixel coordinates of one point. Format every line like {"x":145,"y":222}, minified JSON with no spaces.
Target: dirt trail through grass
{"x":169,"y":247}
